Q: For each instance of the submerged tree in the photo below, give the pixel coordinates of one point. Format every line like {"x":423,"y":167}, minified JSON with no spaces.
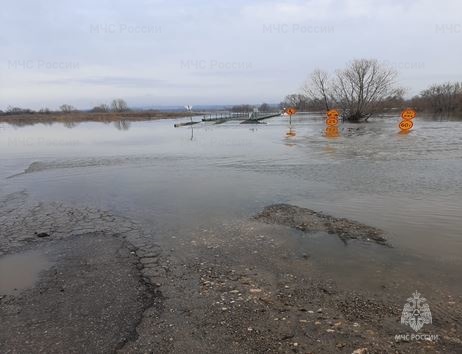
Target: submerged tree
{"x":360,"y":90}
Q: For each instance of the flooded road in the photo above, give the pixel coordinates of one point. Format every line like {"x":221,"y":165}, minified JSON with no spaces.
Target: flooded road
{"x":409,"y":185}
{"x":186,"y":185}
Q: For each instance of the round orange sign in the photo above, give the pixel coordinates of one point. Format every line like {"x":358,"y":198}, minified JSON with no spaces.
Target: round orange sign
{"x":291,"y":111}
{"x":408,"y":114}
{"x":406,"y":125}
{"x":332,"y":122}
{"x":333,"y":113}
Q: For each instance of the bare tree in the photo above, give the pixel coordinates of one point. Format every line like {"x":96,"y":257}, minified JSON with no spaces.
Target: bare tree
{"x":66,"y":108}
{"x":360,"y":90}
{"x":363,"y":86}
{"x":319,"y":88}
{"x":264,"y":107}
{"x":119,"y":105}
{"x":444,"y":98}
{"x":101,"y":108}
{"x":299,"y":101}
{"x":242,"y":108}
{"x":45,"y":110}
{"x":10,"y":110}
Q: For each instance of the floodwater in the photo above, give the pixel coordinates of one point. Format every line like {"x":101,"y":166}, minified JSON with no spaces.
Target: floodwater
{"x":177,"y":179}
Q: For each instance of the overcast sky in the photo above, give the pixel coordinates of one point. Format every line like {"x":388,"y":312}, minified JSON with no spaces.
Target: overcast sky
{"x":176,"y":52}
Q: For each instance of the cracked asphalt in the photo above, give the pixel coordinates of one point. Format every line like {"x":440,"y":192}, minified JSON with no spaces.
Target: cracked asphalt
{"x":240,"y":288}
{"x":90,"y":300}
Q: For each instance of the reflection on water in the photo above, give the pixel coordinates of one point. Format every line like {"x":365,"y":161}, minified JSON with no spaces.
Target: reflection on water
{"x":70,"y":124}
{"x":291,"y":133}
{"x":176,"y":179}
{"x":122,"y":124}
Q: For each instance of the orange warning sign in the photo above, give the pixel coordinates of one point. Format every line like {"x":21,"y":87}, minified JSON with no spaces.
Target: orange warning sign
{"x":406,"y":125}
{"x":332,"y":122}
{"x":408,"y":114}
{"x":333,"y":113}
{"x":291,"y":111}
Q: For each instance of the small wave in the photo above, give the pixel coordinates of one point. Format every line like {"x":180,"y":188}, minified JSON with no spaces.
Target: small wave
{"x":39,"y":166}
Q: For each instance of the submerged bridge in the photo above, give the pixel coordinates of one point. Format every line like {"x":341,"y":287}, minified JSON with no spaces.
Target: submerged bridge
{"x":246,"y":118}
{"x":216,"y":117}
{"x":222,"y":117}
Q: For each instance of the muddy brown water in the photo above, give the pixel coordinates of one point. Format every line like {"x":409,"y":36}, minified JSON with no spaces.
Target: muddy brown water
{"x":21,"y":271}
{"x":201,"y":177}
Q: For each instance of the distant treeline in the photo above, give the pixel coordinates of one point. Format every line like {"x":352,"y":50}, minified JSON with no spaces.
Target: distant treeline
{"x":117,"y":105}
{"x":120,"y":106}
{"x":117,"y":112}
{"x":264,"y":107}
{"x":441,"y":99}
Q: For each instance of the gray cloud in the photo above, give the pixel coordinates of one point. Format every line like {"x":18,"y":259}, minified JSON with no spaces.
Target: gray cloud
{"x":238,"y":51}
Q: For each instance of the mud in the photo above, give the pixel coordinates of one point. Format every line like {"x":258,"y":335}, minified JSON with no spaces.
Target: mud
{"x":241,"y":289}
{"x":308,"y":220}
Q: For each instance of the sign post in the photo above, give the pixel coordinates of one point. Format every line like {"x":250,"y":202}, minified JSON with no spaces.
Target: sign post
{"x":291,"y":111}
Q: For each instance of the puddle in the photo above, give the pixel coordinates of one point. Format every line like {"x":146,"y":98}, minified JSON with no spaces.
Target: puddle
{"x":20,"y":271}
